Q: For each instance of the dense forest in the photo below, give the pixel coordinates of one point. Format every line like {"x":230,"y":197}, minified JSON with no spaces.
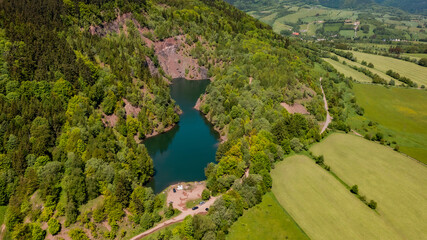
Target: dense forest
{"x":76,"y":105}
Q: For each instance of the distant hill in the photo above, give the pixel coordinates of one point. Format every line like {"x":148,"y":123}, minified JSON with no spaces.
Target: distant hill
{"x":413,"y":6}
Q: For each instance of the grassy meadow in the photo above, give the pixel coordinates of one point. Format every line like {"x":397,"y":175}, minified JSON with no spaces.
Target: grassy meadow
{"x":348,"y":71}
{"x":410,"y":70}
{"x":373,"y":70}
{"x":397,"y":183}
{"x":266,"y":219}
{"x":400,"y":113}
{"x":322,"y":206}
{"x":417,"y":56}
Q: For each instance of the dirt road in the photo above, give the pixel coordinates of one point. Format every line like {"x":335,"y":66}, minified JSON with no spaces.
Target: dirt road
{"x":328,"y":116}
{"x":177,"y":219}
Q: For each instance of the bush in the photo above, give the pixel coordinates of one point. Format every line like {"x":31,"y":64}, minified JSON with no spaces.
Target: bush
{"x":320,"y":160}
{"x":372,"y":204}
{"x":354,"y":189}
{"x":77,"y":234}
{"x":38,"y":233}
{"x":396,"y":148}
{"x":54,"y":226}
{"x":206,"y":195}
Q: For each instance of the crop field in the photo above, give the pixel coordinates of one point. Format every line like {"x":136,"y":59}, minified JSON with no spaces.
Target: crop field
{"x":269,"y":19}
{"x":402,"y":113}
{"x":322,"y":206}
{"x":373,"y":70}
{"x":348,"y":72}
{"x":347,"y":33}
{"x":332,"y":27}
{"x":416,"y":55}
{"x":407,"y":69}
{"x":397,"y":183}
{"x":266,"y":219}
{"x":278,"y":27}
{"x":303,"y":13}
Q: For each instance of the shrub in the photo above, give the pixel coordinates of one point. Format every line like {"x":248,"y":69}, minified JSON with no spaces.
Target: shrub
{"x":54,"y":226}
{"x":354,"y":189}
{"x":372,"y":204}
{"x":77,"y":234}
{"x":396,"y":148}
{"x":38,"y":233}
{"x":206,"y":195}
{"x":320,"y":160}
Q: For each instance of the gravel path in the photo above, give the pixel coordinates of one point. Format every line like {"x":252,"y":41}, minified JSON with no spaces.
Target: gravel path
{"x":328,"y":116}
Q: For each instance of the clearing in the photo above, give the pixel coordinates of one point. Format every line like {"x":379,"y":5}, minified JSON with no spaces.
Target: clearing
{"x":322,"y":206}
{"x":266,"y":219}
{"x":397,"y":183}
{"x":400,"y":112}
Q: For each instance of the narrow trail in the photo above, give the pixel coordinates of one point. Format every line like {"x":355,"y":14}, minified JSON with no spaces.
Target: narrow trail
{"x":176,"y":219}
{"x":328,"y":116}
{"x":2,"y":231}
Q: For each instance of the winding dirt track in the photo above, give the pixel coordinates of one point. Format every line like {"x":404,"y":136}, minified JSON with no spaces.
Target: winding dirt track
{"x":176,"y":219}
{"x":328,"y":116}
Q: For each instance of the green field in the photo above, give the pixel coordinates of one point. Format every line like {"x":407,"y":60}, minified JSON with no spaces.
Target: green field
{"x":348,"y":72}
{"x":401,"y":112}
{"x":266,"y":219}
{"x":417,"y":56}
{"x":322,"y":206}
{"x":396,"y":182}
{"x":373,"y":70}
{"x":410,"y":70}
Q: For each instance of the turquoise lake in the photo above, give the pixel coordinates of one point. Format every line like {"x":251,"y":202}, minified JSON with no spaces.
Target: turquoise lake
{"x":181,"y":154}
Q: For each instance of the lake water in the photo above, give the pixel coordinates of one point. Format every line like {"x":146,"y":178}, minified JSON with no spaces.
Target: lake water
{"x":181,"y":154}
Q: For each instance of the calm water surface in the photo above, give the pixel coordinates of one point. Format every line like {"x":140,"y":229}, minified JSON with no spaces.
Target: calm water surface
{"x":181,"y":154}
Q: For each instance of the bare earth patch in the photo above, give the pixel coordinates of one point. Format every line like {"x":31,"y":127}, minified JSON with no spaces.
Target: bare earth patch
{"x":179,"y":198}
{"x":109,"y":120}
{"x":175,"y":63}
{"x":295,"y":108}
{"x":131,"y":110}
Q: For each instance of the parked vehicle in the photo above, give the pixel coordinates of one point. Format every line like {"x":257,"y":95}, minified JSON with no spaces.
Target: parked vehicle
{"x":196,"y":207}
{"x":202,"y":202}
{"x":174,"y":190}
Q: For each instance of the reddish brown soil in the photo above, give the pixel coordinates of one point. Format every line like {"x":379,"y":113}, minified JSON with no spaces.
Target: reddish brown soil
{"x":295,"y":108}
{"x":175,"y":63}
{"x":131,"y":110}
{"x":109,"y":121}
{"x":113,"y":26}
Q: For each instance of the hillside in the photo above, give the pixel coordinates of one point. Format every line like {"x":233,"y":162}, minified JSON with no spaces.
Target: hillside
{"x":83,"y":83}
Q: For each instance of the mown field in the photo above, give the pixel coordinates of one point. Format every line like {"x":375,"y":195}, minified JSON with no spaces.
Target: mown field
{"x":400,"y":112}
{"x":322,"y":206}
{"x":416,"y":55}
{"x":397,"y":183}
{"x":373,"y":70}
{"x":407,"y":69}
{"x":266,"y":219}
{"x":348,"y":72}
